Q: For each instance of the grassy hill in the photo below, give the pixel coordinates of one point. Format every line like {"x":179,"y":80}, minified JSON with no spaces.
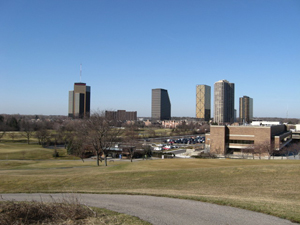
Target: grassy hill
{"x":268,"y":186}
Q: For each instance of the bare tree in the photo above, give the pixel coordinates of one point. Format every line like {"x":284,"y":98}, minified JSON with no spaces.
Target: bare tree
{"x":264,"y":148}
{"x":131,"y":140}
{"x":28,"y":128}
{"x":67,"y":130}
{"x":151,"y":133}
{"x":295,"y":149}
{"x":79,"y":142}
{"x":42,"y":134}
{"x":57,"y":136}
{"x":258,"y":150}
{"x":101,"y":134}
{"x":291,"y":149}
{"x":2,"y":127}
{"x":2,"y":133}
{"x":249,"y":150}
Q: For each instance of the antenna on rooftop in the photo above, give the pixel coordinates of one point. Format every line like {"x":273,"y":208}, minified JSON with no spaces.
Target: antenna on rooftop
{"x":80,"y":71}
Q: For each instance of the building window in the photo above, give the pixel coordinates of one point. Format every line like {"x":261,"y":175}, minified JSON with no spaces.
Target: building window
{"x":249,"y":142}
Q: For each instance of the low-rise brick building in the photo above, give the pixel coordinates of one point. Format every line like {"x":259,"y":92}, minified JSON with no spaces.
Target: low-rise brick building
{"x":232,"y":139}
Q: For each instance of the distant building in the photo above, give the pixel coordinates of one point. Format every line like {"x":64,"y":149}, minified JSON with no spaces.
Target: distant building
{"x":265,"y":123}
{"x":161,"y":105}
{"x":80,"y":101}
{"x":170,"y":123}
{"x":246,"y":109}
{"x":203,"y":102}
{"x":121,"y":115}
{"x":223,"y":102}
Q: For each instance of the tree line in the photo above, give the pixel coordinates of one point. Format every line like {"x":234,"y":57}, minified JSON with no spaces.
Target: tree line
{"x":95,"y":135}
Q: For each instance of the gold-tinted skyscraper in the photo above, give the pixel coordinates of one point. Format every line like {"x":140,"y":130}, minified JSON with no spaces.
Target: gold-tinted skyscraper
{"x":80,"y":101}
{"x":203,"y":102}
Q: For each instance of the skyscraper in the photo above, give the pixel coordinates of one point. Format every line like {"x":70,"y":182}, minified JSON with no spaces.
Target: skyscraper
{"x":161,"y":105}
{"x":80,"y":101}
{"x":223,"y":102}
{"x":203,"y":102}
{"x":246,"y":109}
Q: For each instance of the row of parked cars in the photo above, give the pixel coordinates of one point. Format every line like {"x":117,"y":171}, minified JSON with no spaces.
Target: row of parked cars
{"x":190,"y":140}
{"x":164,"y":147}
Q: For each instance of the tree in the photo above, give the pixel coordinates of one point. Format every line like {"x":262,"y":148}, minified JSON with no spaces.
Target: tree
{"x":27,"y":127}
{"x":151,"y":133}
{"x":101,"y":134}
{"x":147,"y":151}
{"x":66,"y":132}
{"x":13,"y":124}
{"x":2,"y":133}
{"x":12,"y":135}
{"x":78,"y":144}
{"x":264,"y":148}
{"x":2,"y":127}
{"x":249,"y":150}
{"x":130,"y":140}
{"x":291,"y":149}
{"x":42,"y":134}
{"x":57,"y":138}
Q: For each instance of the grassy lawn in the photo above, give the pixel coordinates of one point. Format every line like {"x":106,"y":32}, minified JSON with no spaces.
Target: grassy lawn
{"x":12,"y":151}
{"x":268,"y":186}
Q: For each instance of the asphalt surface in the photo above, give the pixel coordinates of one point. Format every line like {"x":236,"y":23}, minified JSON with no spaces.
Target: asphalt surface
{"x":160,"y":211}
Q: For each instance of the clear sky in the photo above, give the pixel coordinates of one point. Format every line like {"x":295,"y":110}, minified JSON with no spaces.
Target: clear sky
{"x":128,"y":47}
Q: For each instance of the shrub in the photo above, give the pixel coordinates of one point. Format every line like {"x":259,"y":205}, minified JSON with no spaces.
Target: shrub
{"x":42,"y":213}
{"x":55,"y":154}
{"x":207,"y":155}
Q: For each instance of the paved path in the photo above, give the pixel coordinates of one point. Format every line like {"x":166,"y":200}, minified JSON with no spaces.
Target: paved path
{"x":160,"y":211}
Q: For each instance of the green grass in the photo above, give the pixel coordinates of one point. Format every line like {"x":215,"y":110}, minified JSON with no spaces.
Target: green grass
{"x":13,"y":151}
{"x":268,"y":186}
{"x":110,"y":217}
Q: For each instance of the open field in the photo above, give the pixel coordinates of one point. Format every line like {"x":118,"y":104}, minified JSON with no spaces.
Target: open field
{"x":11,"y":151}
{"x":269,"y":186}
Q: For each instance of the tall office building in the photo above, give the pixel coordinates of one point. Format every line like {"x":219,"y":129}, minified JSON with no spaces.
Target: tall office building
{"x":203,"y":102}
{"x":223,"y":102}
{"x":161,"y":105}
{"x":80,"y":101}
{"x":246,"y":109}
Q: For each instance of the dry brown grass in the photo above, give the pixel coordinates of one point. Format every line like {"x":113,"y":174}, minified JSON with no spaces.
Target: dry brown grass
{"x":44,"y":213}
{"x":269,"y":186}
{"x":60,"y":213}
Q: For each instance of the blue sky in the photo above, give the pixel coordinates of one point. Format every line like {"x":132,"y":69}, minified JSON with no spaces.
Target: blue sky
{"x":128,"y":47}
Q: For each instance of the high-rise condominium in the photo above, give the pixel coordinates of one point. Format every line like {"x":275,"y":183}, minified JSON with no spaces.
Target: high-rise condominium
{"x":80,"y":101}
{"x":203,"y":102}
{"x":121,"y":115}
{"x":223,"y":102}
{"x":246,"y":109}
{"x":161,"y":105}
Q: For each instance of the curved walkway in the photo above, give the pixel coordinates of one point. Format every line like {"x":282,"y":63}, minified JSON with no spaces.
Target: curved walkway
{"x":160,"y":210}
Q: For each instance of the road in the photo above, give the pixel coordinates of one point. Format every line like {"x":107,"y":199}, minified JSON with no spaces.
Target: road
{"x":163,"y":211}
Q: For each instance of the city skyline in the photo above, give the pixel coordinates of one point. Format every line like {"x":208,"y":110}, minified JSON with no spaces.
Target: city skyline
{"x":128,"y":48}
